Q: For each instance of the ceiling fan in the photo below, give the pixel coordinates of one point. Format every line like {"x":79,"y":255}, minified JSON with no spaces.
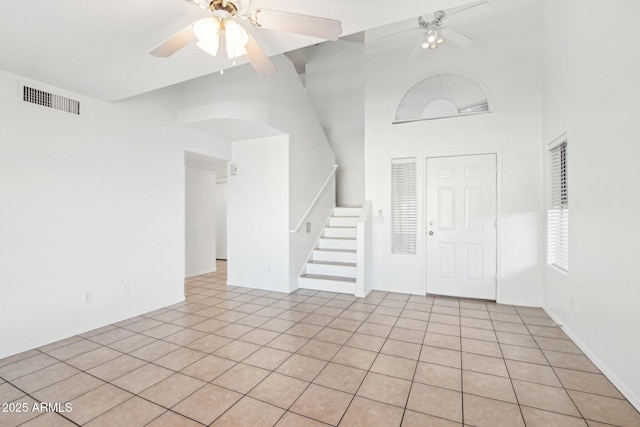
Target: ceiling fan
{"x":436,"y":30}
{"x":227,"y":34}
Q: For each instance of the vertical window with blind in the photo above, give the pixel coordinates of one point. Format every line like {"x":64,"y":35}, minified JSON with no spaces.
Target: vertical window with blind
{"x":403,"y":206}
{"x":558,"y":214}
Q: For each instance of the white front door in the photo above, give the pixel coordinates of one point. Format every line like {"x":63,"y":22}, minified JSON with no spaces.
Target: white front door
{"x":461,"y":226}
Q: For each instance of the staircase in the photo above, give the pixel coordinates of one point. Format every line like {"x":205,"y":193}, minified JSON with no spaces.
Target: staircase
{"x":332,"y":266}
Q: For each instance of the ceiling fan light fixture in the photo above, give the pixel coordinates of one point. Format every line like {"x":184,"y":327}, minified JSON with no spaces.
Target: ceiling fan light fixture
{"x":212,"y":34}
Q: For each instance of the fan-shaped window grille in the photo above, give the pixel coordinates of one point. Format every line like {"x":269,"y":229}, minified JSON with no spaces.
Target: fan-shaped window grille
{"x":443,"y":95}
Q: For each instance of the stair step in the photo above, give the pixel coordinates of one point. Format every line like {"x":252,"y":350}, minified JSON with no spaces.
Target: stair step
{"x":347,"y":211}
{"x":335,"y":255}
{"x":343,"y":221}
{"x":343,"y":264}
{"x":337,"y":243}
{"x":332,"y":269}
{"x":317,"y":282}
{"x":350,"y":232}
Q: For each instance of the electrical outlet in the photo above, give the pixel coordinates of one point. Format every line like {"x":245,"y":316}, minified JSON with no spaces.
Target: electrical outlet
{"x":126,"y":289}
{"x":88,"y":298}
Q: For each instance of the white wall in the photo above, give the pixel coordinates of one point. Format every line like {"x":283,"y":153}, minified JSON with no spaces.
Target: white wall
{"x":508,"y":60}
{"x":221,"y":220}
{"x":591,"y":92}
{"x":257,"y":221}
{"x":89,"y":203}
{"x":200,"y":221}
{"x":335,"y":84}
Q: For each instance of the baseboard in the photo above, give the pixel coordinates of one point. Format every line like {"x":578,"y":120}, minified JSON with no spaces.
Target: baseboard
{"x":520,"y":303}
{"x":631,"y":396}
{"x":190,"y":275}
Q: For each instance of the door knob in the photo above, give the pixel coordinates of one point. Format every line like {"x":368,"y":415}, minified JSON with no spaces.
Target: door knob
{"x":431,"y":233}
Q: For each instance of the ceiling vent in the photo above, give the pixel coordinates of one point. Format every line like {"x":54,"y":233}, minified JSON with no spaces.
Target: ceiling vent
{"x":443,"y":95}
{"x":51,"y":100}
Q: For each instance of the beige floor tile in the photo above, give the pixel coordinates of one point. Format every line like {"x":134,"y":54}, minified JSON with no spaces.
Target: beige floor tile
{"x":132,"y":343}
{"x":209,"y":343}
{"x":161,"y":331}
{"x":533,"y":373}
{"x":27,"y":354}
{"x":19,"y":417}
{"x":277,"y":325}
{"x":544,"y":397}
{"x":516,"y":328}
{"x":180,"y":359}
{"x":237,"y":350}
{"x":68,"y":389}
{"x":304,"y":330}
{"x":401,"y":349}
{"x":474,"y":313}
{"x":112,"y":336}
{"x":249,"y":412}
{"x":345,"y":324}
{"x":154,"y":350}
{"x":416,"y":315}
{"x":407,"y":335}
{"x":539,"y":418}
{"x":96,"y":402}
{"x":302,"y":367}
{"x":439,"y":376}
{"x":135,"y":412}
{"x":394,"y":366}
{"x":478,"y":334}
{"x":578,"y":362}
{"x":172,"y":390}
{"x":340,"y":377}
{"x":26,"y":366}
{"x":72,"y":350}
{"x":208,"y":368}
{"x":604,"y":409}
{"x":259,"y":336}
{"x":93,"y":358}
{"x":549,"y":332}
{"x":207,"y":404}
{"x":490,"y":386}
{"x":288,"y":343}
{"x":470,"y":322}
{"x":44,"y":378}
{"x":354,"y":314}
{"x":49,"y":419}
{"x":171,"y":419}
{"x":241,"y":378}
{"x":319,"y":349}
{"x":142,"y":325}
{"x":417,"y":419}
{"x":555,"y":344}
{"x":436,"y":401}
{"x":444,"y":318}
{"x":335,"y":336}
{"x":485,"y":348}
{"x":523,"y":354}
{"x":291,"y":419}
{"x":142,"y":378}
{"x":368,"y":413}
{"x":208,"y":325}
{"x":450,"y":342}
{"x":365,"y":342}
{"x":9,"y":393}
{"x":354,"y":357}
{"x":234,"y":331}
{"x":322,"y":404}
{"x":374,"y":329}
{"x":417,"y":325}
{"x":444,"y":329}
{"x":279,"y":390}
{"x":484,"y":364}
{"x":253,"y":320}
{"x":483,"y":412}
{"x":381,"y":319}
{"x":267,"y":358}
{"x":382,"y":388}
{"x":441,"y":356}
{"x":516,"y":339}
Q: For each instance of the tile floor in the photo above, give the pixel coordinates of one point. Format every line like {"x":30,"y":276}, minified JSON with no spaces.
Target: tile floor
{"x":238,"y":357}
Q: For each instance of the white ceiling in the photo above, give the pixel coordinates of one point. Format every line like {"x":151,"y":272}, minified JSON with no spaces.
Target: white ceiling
{"x":100,"y":49}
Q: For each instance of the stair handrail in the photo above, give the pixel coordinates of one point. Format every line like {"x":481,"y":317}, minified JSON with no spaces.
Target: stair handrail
{"x":315,"y":199}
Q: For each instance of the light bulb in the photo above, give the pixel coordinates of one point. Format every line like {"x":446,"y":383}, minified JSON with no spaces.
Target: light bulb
{"x":206,"y":29}
{"x":431,"y":38}
{"x":433,"y":46}
{"x":237,"y":38}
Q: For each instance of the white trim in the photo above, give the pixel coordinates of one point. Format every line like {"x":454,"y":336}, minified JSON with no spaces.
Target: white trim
{"x":315,"y":199}
{"x":558,"y":141}
{"x":630,"y":395}
{"x":498,"y":153}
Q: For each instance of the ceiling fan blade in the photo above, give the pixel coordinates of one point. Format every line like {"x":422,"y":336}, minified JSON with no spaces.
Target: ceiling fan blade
{"x":259,"y":59}
{"x":469,"y":12}
{"x":459,"y":39}
{"x":313,"y":26}
{"x":399,"y":33}
{"x":175,"y":43}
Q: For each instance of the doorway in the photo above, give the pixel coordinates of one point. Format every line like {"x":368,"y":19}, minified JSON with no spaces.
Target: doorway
{"x":462,"y":226}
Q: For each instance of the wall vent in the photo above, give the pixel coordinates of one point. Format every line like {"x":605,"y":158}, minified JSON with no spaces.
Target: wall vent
{"x":51,"y":100}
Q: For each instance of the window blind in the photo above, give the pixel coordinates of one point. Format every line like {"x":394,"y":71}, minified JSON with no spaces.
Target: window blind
{"x":558,"y":215}
{"x":403,"y":206}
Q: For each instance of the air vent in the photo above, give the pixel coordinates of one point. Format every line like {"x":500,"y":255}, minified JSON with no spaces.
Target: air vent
{"x":47,"y":99}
